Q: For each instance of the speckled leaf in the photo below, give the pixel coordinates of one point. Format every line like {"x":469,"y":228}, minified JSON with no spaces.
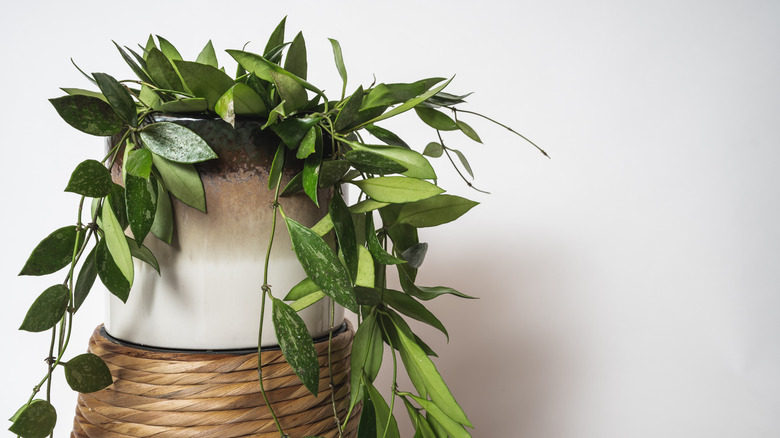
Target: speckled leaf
{"x":87,"y":373}
{"x":36,"y":420}
{"x":345,"y":232}
{"x":141,"y":200}
{"x":91,"y":179}
{"x":311,"y":170}
{"x":321,"y":264}
{"x":118,"y":97}
{"x":114,"y":238}
{"x":349,"y":111}
{"x":468,"y":130}
{"x":297,"y":345}
{"x":436,"y":119}
{"x":88,"y":114}
{"x":52,"y":253}
{"x":296,"y":62}
{"x":434,"y":211}
{"x":182,"y":181}
{"x":47,"y":310}
{"x":386,"y":136}
{"x":370,"y":162}
{"x":397,"y":189}
{"x":109,"y":273}
{"x":291,"y":91}
{"x":176,"y":143}
{"x":139,"y":163}
{"x":204,"y":80}
{"x":85,"y":280}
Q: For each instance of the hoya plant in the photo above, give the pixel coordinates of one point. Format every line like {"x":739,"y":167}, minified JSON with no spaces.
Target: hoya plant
{"x":340,"y":142}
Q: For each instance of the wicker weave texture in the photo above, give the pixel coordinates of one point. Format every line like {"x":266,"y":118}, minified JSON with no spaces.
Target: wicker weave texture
{"x":192,"y":395}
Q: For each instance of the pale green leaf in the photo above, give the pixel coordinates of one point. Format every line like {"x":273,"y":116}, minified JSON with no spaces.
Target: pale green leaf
{"x":116,"y":242}
{"x":397,"y":189}
{"x":182,"y":181}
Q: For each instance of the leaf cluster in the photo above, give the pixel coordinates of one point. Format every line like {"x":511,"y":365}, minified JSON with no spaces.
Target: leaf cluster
{"x":339,"y":141}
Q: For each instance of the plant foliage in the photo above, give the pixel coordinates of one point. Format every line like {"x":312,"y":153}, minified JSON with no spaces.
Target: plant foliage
{"x":340,"y":141}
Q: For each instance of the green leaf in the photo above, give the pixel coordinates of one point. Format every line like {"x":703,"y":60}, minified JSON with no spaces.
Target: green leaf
{"x":87,"y":373}
{"x":182,"y":181}
{"x":415,"y":254}
{"x":168,"y":49}
{"x":293,"y":130}
{"x":263,"y":69}
{"x":406,"y":106}
{"x":91,"y":179}
{"x":368,"y":422}
{"x":434,"y":150}
{"x":114,"y":237}
{"x":436,"y":119}
{"x":208,"y":56}
{"x":331,"y":172}
{"x":36,"y":420}
{"x":417,"y":165}
{"x":468,"y":130}
{"x":161,"y":71}
{"x":345,"y":232}
{"x":185,"y":105}
{"x":162,"y":227}
{"x":311,"y":169}
{"x":366,"y":205}
{"x":375,"y":248}
{"x":82,"y":92}
{"x":386,"y":136}
{"x":397,"y":189}
{"x":88,"y":114}
{"x":363,"y":353}
{"x":392,"y":94}
{"x":324,"y":226}
{"x":85,"y":280}
{"x":463,"y":161}
{"x":291,"y":91}
{"x":307,"y":300}
{"x":47,"y":310}
{"x":349,"y":111}
{"x":277,"y":36}
{"x":365,"y":274}
{"x":176,"y":143}
{"x":413,"y":309}
{"x":339,"y":58}
{"x":421,"y":426}
{"x":296,"y":57}
{"x":371,"y":162}
{"x":308,"y":145}
{"x":321,"y":264}
{"x":297,"y":345}
{"x":277,"y":165}
{"x":423,"y":292}
{"x":53,"y":253}
{"x":150,"y":98}
{"x":383,"y":414}
{"x":141,"y":199}
{"x":139,"y":163}
{"x":240,"y":99}
{"x":118,"y":97}
{"x":434,"y":211}
{"x":143,"y":254}
{"x":134,"y":65}
{"x":116,"y":201}
{"x":300,"y":290}
{"x":454,"y":428}
{"x":204,"y":80}
{"x":110,"y":274}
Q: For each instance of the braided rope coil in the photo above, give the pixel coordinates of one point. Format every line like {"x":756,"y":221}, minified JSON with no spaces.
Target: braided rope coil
{"x":200,"y":395}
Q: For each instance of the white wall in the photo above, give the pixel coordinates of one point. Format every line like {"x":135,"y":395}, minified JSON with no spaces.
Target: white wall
{"x":628,"y":286}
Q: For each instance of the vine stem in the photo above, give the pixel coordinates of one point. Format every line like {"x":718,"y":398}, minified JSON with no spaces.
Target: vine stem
{"x":395,"y":382}
{"x":330,"y":366}
{"x":505,"y":127}
{"x":266,"y":290}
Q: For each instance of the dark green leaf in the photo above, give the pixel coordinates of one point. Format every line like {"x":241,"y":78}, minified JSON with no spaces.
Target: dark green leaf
{"x":176,"y":143}
{"x":117,"y":202}
{"x":185,"y":105}
{"x":143,"y":254}
{"x":88,"y":114}
{"x":392,"y":94}
{"x":397,"y":189}
{"x":53,"y":253}
{"x":446,"y":99}
{"x":162,"y":228}
{"x":91,"y":179}
{"x":109,"y":273}
{"x":277,"y":37}
{"x":141,"y":199}
{"x":364,"y":352}
{"x":87,"y":373}
{"x":415,"y":254}
{"x":331,"y":172}
{"x":150,"y":44}
{"x":82,"y":92}
{"x":377,"y":251}
{"x":424,"y":292}
{"x":47,"y":310}
{"x":292,"y":130}
{"x":349,"y":111}
{"x":386,"y":136}
{"x":454,"y":428}
{"x":296,"y":57}
{"x":139,"y":163}
{"x":436,"y":119}
{"x":371,"y":162}
{"x":321,"y":264}
{"x":406,"y":106}
{"x":311,"y":170}
{"x":161,"y":71}
{"x":182,"y":181}
{"x":434,"y":211}
{"x":368,"y":422}
{"x":339,"y":58}
{"x":264,"y":69}
{"x":413,"y":309}
{"x":208,"y":56}
{"x":417,"y":165}
{"x":85,"y":280}
{"x":434,"y":150}
{"x":118,"y":97}
{"x":297,"y":345}
{"x":291,"y":91}
{"x":204,"y":80}
{"x":308,"y":145}
{"x":114,"y":238}
{"x":36,"y":420}
{"x":384,"y":417}
{"x":134,"y":65}
{"x":275,"y":174}
{"x":463,"y":161}
{"x":469,"y":131}
{"x":421,"y":426}
{"x":168,"y":49}
{"x":345,"y":232}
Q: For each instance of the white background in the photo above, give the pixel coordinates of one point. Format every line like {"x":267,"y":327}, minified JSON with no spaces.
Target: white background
{"x":628,"y":286}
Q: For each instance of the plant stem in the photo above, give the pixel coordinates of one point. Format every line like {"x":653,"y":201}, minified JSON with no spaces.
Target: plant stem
{"x":506,"y":127}
{"x":330,"y":366}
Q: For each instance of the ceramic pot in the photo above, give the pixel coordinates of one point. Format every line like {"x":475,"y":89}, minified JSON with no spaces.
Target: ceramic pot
{"x":209,"y":293}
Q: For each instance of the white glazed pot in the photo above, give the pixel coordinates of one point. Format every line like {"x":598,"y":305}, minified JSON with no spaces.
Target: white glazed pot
{"x":209,"y":293}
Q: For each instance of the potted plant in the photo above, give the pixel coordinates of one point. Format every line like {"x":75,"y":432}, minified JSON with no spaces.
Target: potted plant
{"x":294,"y":152}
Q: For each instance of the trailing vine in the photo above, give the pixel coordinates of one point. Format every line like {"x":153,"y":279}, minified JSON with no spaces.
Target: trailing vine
{"x":398,"y":193}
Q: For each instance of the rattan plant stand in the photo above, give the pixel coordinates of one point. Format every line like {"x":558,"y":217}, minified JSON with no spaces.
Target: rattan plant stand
{"x":166,"y":394}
